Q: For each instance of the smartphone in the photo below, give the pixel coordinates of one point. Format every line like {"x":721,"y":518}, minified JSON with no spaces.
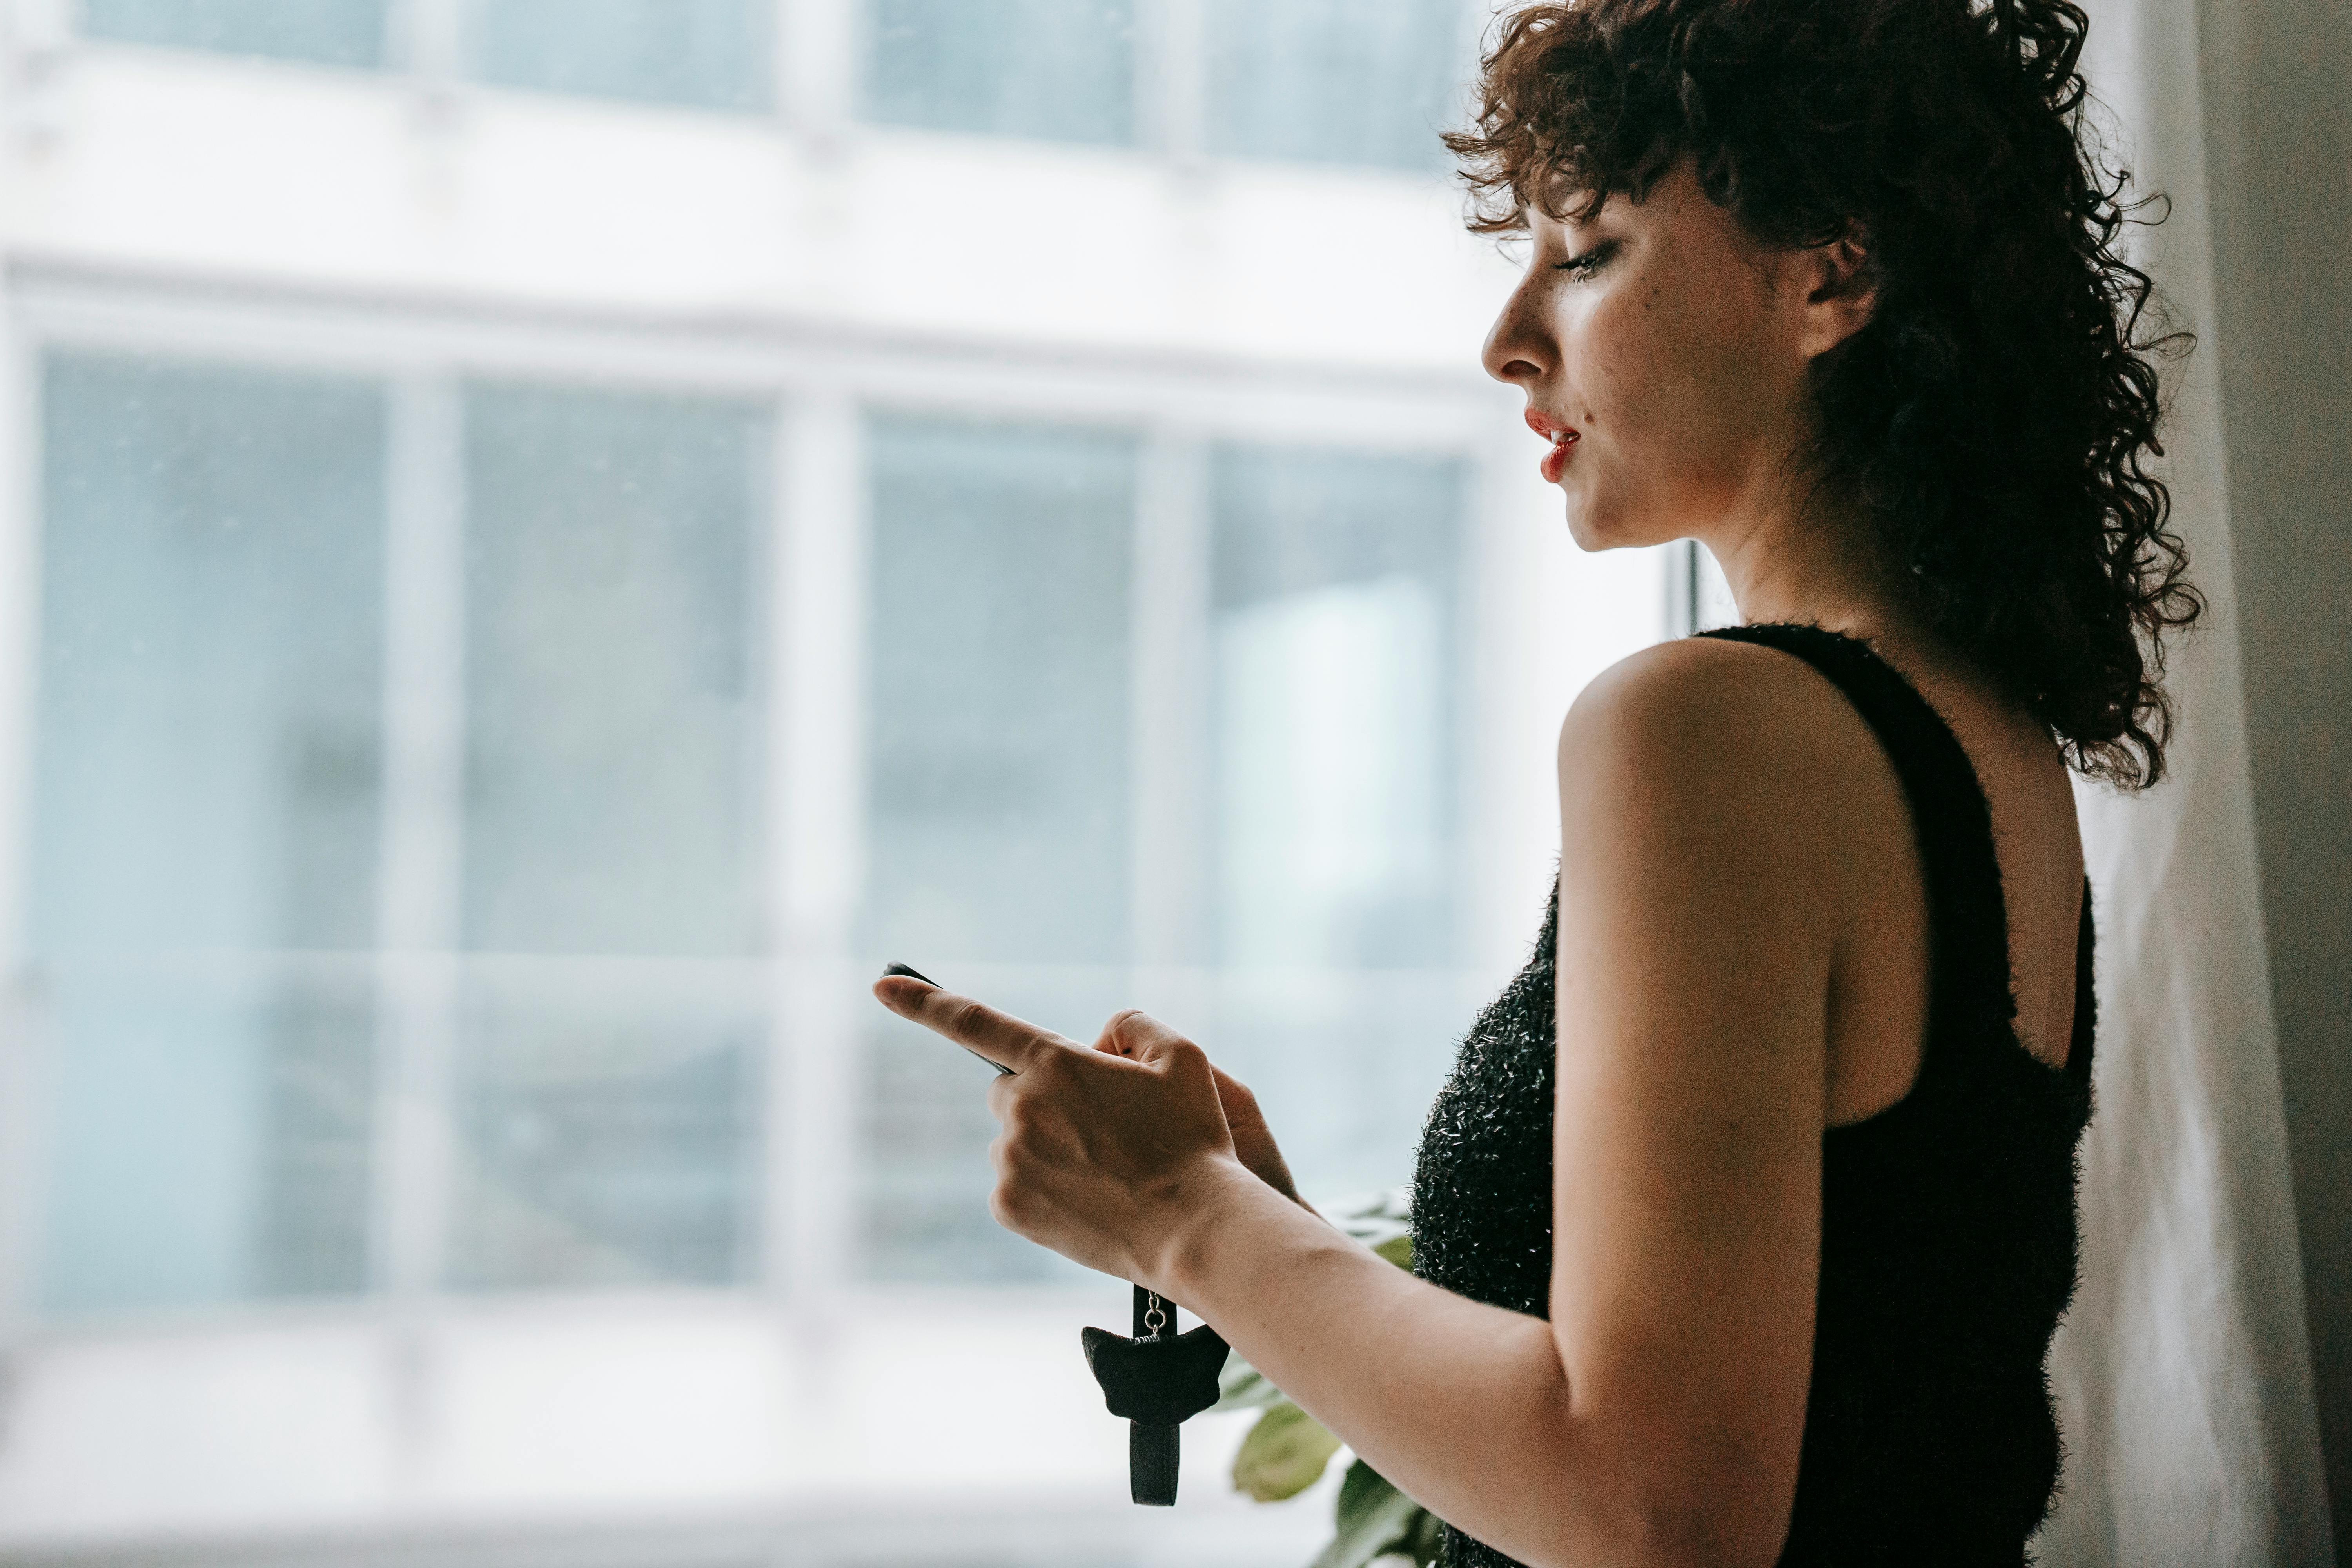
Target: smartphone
{"x":914,"y":973}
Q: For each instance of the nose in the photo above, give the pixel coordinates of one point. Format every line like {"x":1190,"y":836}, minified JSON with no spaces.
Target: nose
{"x":1520,"y":349}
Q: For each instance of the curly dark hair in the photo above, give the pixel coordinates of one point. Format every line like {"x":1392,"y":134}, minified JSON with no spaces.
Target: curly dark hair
{"x":1995,"y":415}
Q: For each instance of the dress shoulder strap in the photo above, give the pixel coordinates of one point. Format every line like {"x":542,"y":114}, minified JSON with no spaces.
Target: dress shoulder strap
{"x":1966,"y":913}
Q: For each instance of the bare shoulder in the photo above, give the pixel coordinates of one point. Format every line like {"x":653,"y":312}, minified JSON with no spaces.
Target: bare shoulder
{"x":1746,"y":727}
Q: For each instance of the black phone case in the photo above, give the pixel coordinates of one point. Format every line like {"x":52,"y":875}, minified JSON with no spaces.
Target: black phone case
{"x":911,"y":972}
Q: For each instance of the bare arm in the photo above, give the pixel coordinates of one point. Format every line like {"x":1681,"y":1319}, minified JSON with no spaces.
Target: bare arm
{"x":1656,"y":1417}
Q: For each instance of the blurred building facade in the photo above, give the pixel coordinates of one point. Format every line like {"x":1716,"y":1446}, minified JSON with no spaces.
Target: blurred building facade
{"x":540,"y":541}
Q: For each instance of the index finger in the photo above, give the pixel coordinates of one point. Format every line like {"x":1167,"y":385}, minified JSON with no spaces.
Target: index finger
{"x":1008,"y":1043}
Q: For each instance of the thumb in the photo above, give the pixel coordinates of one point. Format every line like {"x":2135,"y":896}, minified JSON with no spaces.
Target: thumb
{"x":1188,"y":1092}
{"x":1141,"y":1038}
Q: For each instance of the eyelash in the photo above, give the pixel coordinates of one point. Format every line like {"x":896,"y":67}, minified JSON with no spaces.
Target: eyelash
{"x":1586,"y":264}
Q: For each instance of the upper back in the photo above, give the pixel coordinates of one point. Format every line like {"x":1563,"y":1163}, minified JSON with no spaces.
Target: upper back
{"x":2037,"y":839}
{"x":1880,"y":987}
{"x":1948,"y":1245}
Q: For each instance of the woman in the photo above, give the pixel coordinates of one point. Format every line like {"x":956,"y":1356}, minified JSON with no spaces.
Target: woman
{"x":1746,"y":1216}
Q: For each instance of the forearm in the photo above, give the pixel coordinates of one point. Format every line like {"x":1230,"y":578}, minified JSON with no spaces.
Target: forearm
{"x":1464,"y":1407}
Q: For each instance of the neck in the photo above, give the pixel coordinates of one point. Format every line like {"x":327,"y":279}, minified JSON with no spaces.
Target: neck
{"x":1818,"y":562}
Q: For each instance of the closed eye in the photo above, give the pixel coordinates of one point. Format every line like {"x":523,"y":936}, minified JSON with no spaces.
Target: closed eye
{"x":1585,"y":264}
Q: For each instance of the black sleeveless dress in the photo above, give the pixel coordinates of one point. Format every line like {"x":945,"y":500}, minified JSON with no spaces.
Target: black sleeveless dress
{"x":1947,"y":1248}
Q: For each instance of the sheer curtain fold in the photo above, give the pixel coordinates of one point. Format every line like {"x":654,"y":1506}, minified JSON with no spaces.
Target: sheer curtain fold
{"x":2183,"y":1372}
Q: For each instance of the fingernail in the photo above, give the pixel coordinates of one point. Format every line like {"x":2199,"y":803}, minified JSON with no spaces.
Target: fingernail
{"x":908,"y":973}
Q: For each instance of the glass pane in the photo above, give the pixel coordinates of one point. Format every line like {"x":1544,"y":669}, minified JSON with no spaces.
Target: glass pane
{"x":1057,"y":70}
{"x":206,"y":804}
{"x":610,"y":1133}
{"x":329,"y":32}
{"x":1335,"y":630}
{"x":1334,"y":81}
{"x":613,"y":706}
{"x":1334,"y":583}
{"x":712,"y":54}
{"x":998,"y":795}
{"x":614,"y":729}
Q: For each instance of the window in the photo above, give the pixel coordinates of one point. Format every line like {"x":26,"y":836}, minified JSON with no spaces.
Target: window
{"x":324,"y":32}
{"x":1334,"y":603}
{"x":1314,"y":81}
{"x":710,"y":54}
{"x":613,"y":673}
{"x":208,"y":803}
{"x":1698,"y":596}
{"x":1328,"y":82}
{"x":610,"y":1121}
{"x":1334,"y":738}
{"x":999,"y":812}
{"x":1056,"y":71}
{"x":490,"y":683}
{"x":607,"y":1133}
{"x":1002,"y":810}
{"x":217,"y":826}
{"x":214,"y":823}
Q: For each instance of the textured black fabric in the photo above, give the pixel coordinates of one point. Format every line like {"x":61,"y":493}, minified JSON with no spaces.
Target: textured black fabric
{"x":1153,"y":1455}
{"x":1948,"y":1220}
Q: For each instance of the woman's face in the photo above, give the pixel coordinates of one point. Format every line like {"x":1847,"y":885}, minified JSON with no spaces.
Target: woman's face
{"x":1667,"y":352}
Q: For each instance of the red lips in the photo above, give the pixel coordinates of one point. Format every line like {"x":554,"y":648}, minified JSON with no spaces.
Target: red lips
{"x":1564,"y":439}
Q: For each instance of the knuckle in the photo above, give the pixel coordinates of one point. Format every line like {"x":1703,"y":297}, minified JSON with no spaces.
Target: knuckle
{"x":1009,"y":1205}
{"x":1129,"y":1030}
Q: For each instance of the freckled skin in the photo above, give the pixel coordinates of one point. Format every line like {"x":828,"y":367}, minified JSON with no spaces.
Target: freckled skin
{"x":1683,"y":359}
{"x":1680,"y":360}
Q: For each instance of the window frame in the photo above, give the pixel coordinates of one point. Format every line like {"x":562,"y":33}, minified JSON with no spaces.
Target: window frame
{"x":815,"y":79}
{"x":820,"y":388}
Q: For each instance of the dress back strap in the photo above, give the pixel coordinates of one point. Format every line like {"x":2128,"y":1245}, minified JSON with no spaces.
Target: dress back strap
{"x":1968,"y":916}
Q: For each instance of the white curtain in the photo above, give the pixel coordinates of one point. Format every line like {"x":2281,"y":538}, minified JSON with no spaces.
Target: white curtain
{"x":2183,"y":1372}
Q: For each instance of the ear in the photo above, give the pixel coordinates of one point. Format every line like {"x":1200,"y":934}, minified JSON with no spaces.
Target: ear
{"x":1841,"y":291}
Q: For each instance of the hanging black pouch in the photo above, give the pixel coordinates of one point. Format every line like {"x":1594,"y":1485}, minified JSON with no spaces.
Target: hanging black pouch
{"x":1157,"y":1380}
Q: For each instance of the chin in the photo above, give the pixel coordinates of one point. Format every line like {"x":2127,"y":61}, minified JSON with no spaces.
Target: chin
{"x":1586,"y":539}
{"x":1596,"y":528}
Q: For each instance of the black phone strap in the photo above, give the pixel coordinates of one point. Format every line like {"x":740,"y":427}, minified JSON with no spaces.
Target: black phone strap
{"x":1152,"y":1451}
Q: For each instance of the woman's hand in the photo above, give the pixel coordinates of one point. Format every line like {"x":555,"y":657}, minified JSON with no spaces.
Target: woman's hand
{"x":1254,"y":1142}
{"x":1106,"y":1154}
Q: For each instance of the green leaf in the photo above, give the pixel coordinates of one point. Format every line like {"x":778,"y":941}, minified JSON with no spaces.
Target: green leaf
{"x":1398,"y":1249}
{"x":1375,"y":1219}
{"x":1372,"y":1517}
{"x":1284,"y":1453}
{"x":1362,"y":1490}
{"x":1421,"y":1540}
{"x":1241,"y":1386}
